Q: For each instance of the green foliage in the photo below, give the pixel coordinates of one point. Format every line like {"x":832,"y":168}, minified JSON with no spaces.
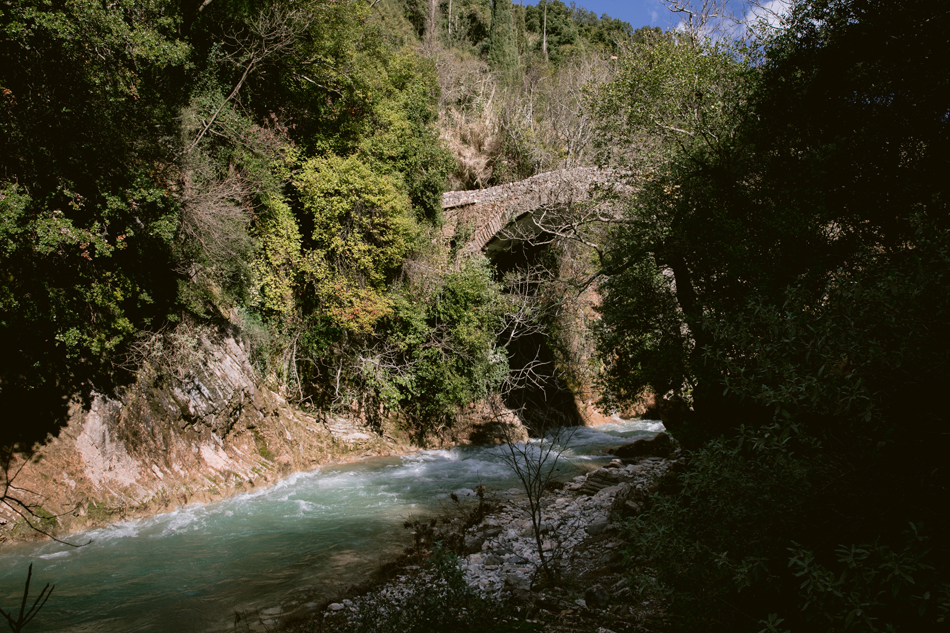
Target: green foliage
{"x":503,"y":42}
{"x":561,"y":27}
{"x":640,"y":336}
{"x":277,"y":264}
{"x":465,"y":313}
{"x":844,"y":356}
{"x":362,"y":230}
{"x":446,"y":344}
{"x":166,"y":168}
{"x":471,"y":24}
{"x":394,"y":23}
{"x":672,"y":111}
{"x":87,"y":106}
{"x":670,"y":98}
{"x":719,"y":547}
{"x":873,"y":587}
{"x":164,"y":164}
{"x":610,"y":34}
{"x":738,"y":202}
{"x":432,"y":353}
{"x":805,"y":259}
{"x":370,"y":99}
{"x":851,"y":126}
{"x":404,"y":142}
{"x":702,"y":539}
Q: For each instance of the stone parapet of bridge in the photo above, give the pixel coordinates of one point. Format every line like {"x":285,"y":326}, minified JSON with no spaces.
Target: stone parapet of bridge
{"x":477,"y":216}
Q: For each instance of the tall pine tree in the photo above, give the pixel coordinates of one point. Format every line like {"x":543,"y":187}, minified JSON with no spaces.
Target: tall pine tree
{"x":503,"y":40}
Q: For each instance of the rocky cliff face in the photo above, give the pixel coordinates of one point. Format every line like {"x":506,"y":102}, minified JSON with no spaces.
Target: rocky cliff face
{"x":167,"y":441}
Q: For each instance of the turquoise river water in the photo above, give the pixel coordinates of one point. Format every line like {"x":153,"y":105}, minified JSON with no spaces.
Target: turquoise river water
{"x":191,"y":569}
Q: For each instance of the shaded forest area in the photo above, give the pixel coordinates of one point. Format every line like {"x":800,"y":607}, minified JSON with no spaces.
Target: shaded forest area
{"x":776,"y":275}
{"x":781,"y":276}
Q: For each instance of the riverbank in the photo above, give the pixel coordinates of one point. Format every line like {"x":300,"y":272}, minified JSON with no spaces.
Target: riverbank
{"x":303,"y":541}
{"x":71,"y":491}
{"x":201,"y":435}
{"x":497,"y":555}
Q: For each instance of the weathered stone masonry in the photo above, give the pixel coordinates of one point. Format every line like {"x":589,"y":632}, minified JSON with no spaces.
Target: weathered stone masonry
{"x":479,"y":215}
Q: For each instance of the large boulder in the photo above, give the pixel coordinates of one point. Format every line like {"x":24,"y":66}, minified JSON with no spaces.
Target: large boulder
{"x":488,"y":422}
{"x":659,"y":446}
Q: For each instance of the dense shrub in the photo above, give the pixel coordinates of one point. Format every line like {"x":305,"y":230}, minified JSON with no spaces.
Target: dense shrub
{"x":438,"y":599}
{"x":790,"y":220}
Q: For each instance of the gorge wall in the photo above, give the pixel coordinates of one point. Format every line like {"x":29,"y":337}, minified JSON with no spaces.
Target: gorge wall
{"x":166,"y":441}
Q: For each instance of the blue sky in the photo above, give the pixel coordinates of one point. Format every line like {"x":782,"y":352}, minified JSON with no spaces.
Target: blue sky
{"x":637,"y":12}
{"x":652,"y":12}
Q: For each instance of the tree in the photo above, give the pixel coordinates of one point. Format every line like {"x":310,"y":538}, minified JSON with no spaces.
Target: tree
{"x":544,"y":119}
{"x":673,"y":110}
{"x":544,"y":32}
{"x":535,"y":464}
{"x":555,"y":22}
{"x":792,"y":233}
{"x":362,"y":230}
{"x":448,"y":343}
{"x":88,"y":120}
{"x":503,"y":40}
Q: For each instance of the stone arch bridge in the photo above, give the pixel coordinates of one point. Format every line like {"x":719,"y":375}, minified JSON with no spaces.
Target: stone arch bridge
{"x":479,"y":218}
{"x":511,"y":224}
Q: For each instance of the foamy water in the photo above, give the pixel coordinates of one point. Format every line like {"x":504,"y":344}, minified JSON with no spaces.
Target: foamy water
{"x":190,"y":569}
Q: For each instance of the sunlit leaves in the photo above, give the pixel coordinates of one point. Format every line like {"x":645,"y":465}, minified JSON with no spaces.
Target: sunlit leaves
{"x":362,"y":230}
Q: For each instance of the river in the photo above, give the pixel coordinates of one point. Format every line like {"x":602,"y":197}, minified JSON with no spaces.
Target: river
{"x":191,"y":569}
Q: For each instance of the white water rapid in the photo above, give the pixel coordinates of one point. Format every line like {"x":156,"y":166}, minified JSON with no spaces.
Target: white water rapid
{"x":189,"y":570}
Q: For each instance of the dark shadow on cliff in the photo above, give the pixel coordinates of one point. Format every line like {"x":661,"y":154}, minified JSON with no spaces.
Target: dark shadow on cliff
{"x":33,"y":414}
{"x":35,"y":401}
{"x":540,"y":394}
{"x":541,"y":398}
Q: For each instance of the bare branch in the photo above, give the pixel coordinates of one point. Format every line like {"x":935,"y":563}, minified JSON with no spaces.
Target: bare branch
{"x":272,"y":32}
{"x":534,"y":463}
{"x":704,"y":19}
{"x":11,"y":498}
{"x":27,"y":615}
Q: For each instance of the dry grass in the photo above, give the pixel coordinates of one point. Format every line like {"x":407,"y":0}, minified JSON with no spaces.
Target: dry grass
{"x":502,"y":132}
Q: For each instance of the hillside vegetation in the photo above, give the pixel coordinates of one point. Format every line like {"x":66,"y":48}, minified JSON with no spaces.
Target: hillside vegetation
{"x":173,"y":170}
{"x":781,"y":276}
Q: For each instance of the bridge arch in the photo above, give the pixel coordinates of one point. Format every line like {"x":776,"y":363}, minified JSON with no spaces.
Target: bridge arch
{"x":506,"y":223}
{"x":477,"y":217}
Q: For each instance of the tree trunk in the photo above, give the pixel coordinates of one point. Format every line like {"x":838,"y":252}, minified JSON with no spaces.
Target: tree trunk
{"x":431,"y":25}
{"x":689,"y":301}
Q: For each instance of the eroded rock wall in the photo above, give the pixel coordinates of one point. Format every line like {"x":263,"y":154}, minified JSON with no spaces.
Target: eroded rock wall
{"x":168,"y":441}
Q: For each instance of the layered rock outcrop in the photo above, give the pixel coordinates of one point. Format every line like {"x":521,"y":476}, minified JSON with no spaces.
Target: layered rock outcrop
{"x":168,"y":440}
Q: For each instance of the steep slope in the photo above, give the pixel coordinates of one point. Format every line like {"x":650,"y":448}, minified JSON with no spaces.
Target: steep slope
{"x":167,"y":441}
